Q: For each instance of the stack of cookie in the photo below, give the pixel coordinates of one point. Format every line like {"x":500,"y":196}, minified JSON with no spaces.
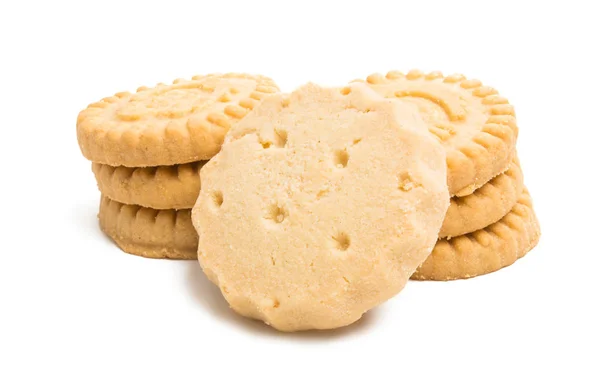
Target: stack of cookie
{"x":147,"y":149}
{"x":490,"y":223}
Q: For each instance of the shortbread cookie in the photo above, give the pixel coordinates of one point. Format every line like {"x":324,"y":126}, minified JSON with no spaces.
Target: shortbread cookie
{"x":476,"y":125}
{"x":486,"y":205}
{"x":168,"y":124}
{"x":162,"y":187}
{"x":148,"y":232}
{"x":320,"y":206}
{"x":486,"y":250}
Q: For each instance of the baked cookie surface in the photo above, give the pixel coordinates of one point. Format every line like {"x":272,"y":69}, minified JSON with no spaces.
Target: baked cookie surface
{"x":320,"y":206}
{"x":476,"y":125}
{"x":486,"y":250}
{"x":162,"y":187}
{"x":168,"y":124}
{"x":148,"y":232}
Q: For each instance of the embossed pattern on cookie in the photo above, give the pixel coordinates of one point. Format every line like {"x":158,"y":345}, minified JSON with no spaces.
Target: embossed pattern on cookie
{"x":486,"y":250}
{"x":168,"y":124}
{"x":148,"y":232}
{"x":486,"y":205}
{"x":162,"y":187}
{"x":476,"y":126}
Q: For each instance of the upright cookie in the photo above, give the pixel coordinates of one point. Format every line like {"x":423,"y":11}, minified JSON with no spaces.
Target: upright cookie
{"x":320,"y":206}
{"x":486,"y":205}
{"x":168,"y":124}
{"x":476,"y":126}
{"x":162,"y":187}
{"x":486,"y":250}
{"x":148,"y":232}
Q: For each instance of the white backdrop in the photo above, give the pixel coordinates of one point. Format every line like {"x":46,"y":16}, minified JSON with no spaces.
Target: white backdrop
{"x":74,"y":308}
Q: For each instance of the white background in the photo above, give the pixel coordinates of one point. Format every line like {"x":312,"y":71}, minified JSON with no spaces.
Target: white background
{"x":74,"y":308}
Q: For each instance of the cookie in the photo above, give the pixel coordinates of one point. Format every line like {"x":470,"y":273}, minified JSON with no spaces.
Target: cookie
{"x":486,"y":205}
{"x":168,"y":124}
{"x":476,"y":125}
{"x":486,"y":250}
{"x":162,"y":187}
{"x":148,"y":232}
{"x":320,"y":206}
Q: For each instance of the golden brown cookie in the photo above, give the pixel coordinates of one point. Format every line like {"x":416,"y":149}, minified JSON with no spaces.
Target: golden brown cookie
{"x":320,"y":206}
{"x":162,"y":187}
{"x":476,"y":126}
{"x":486,"y":250}
{"x":486,"y":205}
{"x":148,"y":232}
{"x":168,"y":124}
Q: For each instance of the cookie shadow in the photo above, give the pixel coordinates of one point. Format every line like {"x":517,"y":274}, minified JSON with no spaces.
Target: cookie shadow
{"x":206,"y":294}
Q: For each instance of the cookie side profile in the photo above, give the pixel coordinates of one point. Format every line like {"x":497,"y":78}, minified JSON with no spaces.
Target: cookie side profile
{"x":320,"y":206}
{"x":168,"y":124}
{"x":486,"y":205}
{"x":162,"y":187}
{"x":147,"y":232}
{"x":486,"y":250}
{"x":476,"y":126}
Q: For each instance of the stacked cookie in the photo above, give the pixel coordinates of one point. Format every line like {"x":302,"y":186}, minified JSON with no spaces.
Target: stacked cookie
{"x":490,"y":222}
{"x":147,"y":149}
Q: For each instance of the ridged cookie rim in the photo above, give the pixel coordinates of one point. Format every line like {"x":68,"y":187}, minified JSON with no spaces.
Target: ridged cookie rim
{"x":489,"y":153}
{"x":159,"y":187}
{"x":463,"y":257}
{"x":111,"y":217}
{"x":176,"y":142}
{"x":495,"y":198}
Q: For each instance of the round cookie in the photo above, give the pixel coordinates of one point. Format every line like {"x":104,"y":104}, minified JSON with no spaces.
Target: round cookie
{"x":486,"y":205}
{"x":162,"y":187}
{"x":148,"y":232}
{"x":168,"y":124}
{"x":476,"y":126}
{"x":486,"y":250}
{"x":320,"y":206}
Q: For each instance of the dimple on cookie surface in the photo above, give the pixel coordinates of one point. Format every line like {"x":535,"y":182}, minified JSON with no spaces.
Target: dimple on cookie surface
{"x":168,"y":124}
{"x":486,"y":205}
{"x":148,"y":232}
{"x":476,"y":125}
{"x":486,"y":250}
{"x":162,"y":187}
{"x":320,"y":206}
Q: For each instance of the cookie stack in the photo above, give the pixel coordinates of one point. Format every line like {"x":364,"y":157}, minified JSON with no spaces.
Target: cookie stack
{"x":147,"y":149}
{"x":490,"y":222}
